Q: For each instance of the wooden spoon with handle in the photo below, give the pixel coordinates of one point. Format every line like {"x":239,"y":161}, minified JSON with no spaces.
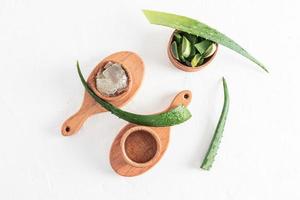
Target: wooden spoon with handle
{"x":134,"y":68}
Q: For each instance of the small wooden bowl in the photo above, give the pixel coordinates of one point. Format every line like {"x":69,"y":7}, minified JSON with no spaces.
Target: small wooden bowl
{"x":140,"y":146}
{"x":184,"y":67}
{"x":134,"y":67}
{"x":137,"y":148}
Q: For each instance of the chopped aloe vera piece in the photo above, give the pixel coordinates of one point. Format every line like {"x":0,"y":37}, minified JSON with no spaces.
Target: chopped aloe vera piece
{"x":182,"y":59}
{"x":188,"y":63}
{"x":210,"y":50}
{"x":185,"y":47}
{"x":175,"y":50}
{"x":190,"y":37}
{"x":193,"y":53}
{"x":177,"y":37}
{"x":195,"y":27}
{"x":201,"y":61}
{"x":203,"y":46}
{"x":197,"y":60}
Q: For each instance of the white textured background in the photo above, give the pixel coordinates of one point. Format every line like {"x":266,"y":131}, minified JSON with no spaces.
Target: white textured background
{"x":40,"y":42}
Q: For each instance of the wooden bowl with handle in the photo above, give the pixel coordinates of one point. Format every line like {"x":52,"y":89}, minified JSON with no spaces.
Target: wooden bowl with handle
{"x":138,"y":148}
{"x":134,"y":68}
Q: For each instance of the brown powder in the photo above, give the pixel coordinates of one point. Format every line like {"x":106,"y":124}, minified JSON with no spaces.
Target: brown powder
{"x":140,"y":146}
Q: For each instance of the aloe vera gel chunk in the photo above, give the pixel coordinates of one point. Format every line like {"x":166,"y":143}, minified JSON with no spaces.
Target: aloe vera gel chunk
{"x":113,"y":80}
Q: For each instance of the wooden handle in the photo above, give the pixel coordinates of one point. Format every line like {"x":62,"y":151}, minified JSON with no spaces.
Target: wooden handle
{"x":182,"y":98}
{"x":134,"y":66}
{"x":75,"y":122}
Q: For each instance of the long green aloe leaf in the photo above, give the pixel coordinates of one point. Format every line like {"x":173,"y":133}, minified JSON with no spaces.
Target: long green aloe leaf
{"x":216,"y":140}
{"x":195,"y":27}
{"x":175,"y":116}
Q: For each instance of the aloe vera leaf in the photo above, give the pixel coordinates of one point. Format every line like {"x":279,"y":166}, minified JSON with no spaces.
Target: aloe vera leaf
{"x":203,"y":46}
{"x":185,"y":47}
{"x":177,"y":37}
{"x":195,"y":27}
{"x":172,"y":117}
{"x":210,"y":50}
{"x":175,"y":50}
{"x":196,"y":60}
{"x":216,"y":140}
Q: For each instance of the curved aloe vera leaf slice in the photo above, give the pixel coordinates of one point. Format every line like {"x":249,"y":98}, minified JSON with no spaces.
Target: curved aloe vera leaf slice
{"x":197,"y":60}
{"x":185,"y":47}
{"x":190,"y":37}
{"x":175,"y":50}
{"x":195,"y":27}
{"x":216,"y":140}
{"x":210,"y":50}
{"x":193,"y":53}
{"x":175,"y":116}
{"x":203,"y":46}
{"x":177,"y":37}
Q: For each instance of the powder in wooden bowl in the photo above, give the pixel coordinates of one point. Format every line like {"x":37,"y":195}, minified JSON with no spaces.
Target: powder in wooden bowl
{"x":140,"y":146}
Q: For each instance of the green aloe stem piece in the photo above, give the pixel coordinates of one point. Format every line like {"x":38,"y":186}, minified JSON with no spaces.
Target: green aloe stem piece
{"x":197,"y":60}
{"x":216,"y":140}
{"x":197,"y":28}
{"x":172,"y":117}
{"x":203,"y":46}
{"x":177,"y":37}
{"x":185,"y":47}
{"x":174,"y":49}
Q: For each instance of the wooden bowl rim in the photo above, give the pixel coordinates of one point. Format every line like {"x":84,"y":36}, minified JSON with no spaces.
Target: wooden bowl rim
{"x":123,"y":149}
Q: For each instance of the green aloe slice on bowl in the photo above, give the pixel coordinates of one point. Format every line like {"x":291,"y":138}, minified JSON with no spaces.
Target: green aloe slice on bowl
{"x":175,"y":116}
{"x":216,"y":140}
{"x":210,"y":50}
{"x":174,"y":49}
{"x":185,"y":47}
{"x":197,"y":60}
{"x":197,"y":28}
{"x":177,"y":37}
{"x":203,"y":46}
{"x":190,"y":37}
